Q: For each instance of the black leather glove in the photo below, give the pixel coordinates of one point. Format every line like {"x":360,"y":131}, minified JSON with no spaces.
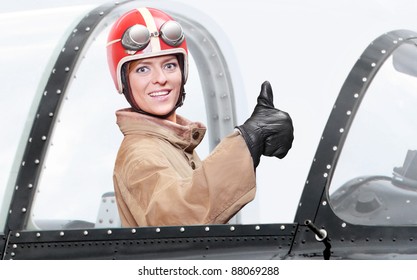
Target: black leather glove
{"x":268,"y":131}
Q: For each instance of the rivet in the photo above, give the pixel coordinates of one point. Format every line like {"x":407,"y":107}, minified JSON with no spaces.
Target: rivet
{"x":282,"y":227}
{"x":133,"y":230}
{"x":38,"y":235}
{"x":324,"y":203}
{"x":158,"y":230}
{"x":364,"y":79}
{"x":109,"y":232}
{"x":30,"y":186}
{"x":343,"y":225}
{"x":383,"y":51}
{"x":17,"y":235}
{"x":44,"y":138}
{"x":334,"y":148}
{"x":87,"y":29}
{"x":45,"y":93}
{"x":12,"y":254}
{"x":30,"y":139}
{"x":328,"y":166}
{"x":395,"y":42}
{"x":76,"y":48}
{"x":67,"y":69}
{"x":16,"y":188}
{"x":373,"y":64}
{"x":24,"y":210}
{"x":63,"y":49}
{"x":61,"y":233}
{"x":75,"y":30}
{"x":85,"y":232}
{"x":23,"y":163}
{"x":232,"y":228}
{"x":51,"y":114}
{"x":341,"y":130}
{"x":53,"y":71}
{"x":182,"y":229}
{"x":207,"y":229}
{"x":36,"y":161}
{"x":356,"y":95}
{"x":58,"y":91}
{"x":14,"y":246}
{"x":257,"y":227}
{"x":101,"y":13}
{"x":348,"y":113}
{"x":325,"y":175}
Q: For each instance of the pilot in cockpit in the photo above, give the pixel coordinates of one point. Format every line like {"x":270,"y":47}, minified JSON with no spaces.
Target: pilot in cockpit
{"x":158,"y":177}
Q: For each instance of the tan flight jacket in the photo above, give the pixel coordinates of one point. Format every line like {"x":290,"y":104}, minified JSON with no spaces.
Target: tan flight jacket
{"x":159,"y":179}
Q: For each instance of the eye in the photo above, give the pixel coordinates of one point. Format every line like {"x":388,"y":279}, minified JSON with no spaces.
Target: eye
{"x":142,"y":69}
{"x":171,"y":66}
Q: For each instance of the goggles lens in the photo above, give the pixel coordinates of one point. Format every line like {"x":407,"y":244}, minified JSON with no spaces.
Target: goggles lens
{"x":137,"y":37}
{"x":171,"y":33}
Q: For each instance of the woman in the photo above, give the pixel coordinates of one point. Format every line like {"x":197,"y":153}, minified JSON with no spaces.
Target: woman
{"x":158,"y":177}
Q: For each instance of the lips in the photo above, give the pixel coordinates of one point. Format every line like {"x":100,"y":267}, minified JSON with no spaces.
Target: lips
{"x":159,"y":93}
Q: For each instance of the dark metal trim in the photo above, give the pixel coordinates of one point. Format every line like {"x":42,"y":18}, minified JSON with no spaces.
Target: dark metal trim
{"x":2,"y":244}
{"x":211,"y":241}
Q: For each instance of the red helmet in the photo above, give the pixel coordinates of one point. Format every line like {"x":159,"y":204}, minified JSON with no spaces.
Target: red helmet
{"x":143,"y":33}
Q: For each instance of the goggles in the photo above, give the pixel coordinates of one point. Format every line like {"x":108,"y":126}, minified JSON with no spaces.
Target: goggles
{"x":137,"y":37}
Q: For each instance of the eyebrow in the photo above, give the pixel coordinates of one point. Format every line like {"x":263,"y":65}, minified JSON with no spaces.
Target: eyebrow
{"x":165,"y":60}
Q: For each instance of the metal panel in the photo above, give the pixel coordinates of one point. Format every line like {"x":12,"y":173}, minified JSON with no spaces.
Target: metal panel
{"x":271,"y":241}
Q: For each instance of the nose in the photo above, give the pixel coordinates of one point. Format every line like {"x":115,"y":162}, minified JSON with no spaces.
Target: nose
{"x":159,"y":76}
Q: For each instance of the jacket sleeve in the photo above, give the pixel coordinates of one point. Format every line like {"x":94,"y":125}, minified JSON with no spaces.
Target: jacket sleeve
{"x":150,"y":193}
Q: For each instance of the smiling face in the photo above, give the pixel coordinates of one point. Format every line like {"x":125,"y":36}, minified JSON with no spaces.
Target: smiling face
{"x":155,"y":84}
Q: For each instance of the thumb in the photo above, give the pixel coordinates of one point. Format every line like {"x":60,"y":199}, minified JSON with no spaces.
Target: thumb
{"x":266,"y":98}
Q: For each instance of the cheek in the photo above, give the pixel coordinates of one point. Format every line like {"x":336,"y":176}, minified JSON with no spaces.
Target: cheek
{"x":178,"y":80}
{"x":137,"y":86}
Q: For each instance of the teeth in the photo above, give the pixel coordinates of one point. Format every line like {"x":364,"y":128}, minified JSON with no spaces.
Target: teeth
{"x":159,"y":93}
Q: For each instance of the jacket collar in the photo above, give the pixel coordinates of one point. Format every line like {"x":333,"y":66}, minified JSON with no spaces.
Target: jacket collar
{"x":184,"y":134}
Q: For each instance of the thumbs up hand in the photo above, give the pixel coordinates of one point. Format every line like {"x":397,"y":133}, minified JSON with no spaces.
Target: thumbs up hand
{"x":268,"y":131}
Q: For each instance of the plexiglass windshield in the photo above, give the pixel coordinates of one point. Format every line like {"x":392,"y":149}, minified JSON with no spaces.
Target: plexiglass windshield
{"x":375,"y":181}
{"x":76,"y":185}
